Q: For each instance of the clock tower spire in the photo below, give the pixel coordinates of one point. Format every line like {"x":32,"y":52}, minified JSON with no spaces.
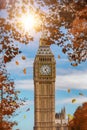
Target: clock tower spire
{"x":44,"y":87}
{"x":43,"y":39}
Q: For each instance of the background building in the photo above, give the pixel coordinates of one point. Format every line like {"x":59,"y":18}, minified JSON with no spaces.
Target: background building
{"x":60,"y":120}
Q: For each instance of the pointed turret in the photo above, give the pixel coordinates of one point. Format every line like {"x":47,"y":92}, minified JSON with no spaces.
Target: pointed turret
{"x":64,"y":113}
{"x":44,"y":39}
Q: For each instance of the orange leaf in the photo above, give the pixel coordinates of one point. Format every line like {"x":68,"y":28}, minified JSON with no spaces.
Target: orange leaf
{"x":74,"y":64}
{"x":59,"y":57}
{"x":17,"y":63}
{"x":24,"y":70}
{"x":5,"y":59}
{"x":23,"y":57}
{"x":68,"y":90}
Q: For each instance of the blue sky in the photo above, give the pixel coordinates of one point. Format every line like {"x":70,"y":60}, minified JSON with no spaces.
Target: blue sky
{"x":67,"y":77}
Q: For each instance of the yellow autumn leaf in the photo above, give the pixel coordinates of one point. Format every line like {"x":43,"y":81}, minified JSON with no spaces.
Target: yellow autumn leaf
{"x":68,"y":90}
{"x":13,"y":103}
{"x":70,"y":116}
{"x":24,"y":116}
{"x":23,"y":57}
{"x":59,"y":57}
{"x":73,"y":100}
{"x":17,"y":63}
{"x":24,"y":70}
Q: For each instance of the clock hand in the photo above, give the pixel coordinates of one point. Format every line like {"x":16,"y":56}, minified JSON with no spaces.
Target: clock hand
{"x":46,"y":70}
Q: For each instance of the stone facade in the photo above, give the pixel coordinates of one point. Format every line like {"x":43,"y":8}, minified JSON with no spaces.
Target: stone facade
{"x":44,"y":88}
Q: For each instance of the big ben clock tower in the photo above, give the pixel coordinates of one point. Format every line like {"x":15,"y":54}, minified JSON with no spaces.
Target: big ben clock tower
{"x":44,"y":87}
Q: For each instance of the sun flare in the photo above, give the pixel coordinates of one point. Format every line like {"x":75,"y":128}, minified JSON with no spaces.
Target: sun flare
{"x":28,"y":22}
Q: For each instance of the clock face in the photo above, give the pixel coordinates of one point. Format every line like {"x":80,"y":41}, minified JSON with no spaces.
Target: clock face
{"x":45,"y":70}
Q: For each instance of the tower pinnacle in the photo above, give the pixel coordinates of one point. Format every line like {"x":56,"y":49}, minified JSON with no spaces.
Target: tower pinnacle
{"x":44,"y":39}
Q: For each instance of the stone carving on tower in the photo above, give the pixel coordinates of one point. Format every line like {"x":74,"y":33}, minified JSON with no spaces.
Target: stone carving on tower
{"x":44,"y":87}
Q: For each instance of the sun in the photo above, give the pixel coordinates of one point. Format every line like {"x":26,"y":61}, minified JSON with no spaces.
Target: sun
{"x":28,"y":22}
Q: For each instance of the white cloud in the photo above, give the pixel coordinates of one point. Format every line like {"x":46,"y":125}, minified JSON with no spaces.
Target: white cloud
{"x":75,"y":80}
{"x":61,"y":60}
{"x":22,"y":63}
{"x":79,"y":100}
{"x":26,"y":105}
{"x":17,"y":70}
{"x":24,"y":84}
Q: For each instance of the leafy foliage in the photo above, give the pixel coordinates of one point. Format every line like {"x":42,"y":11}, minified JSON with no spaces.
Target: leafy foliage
{"x":2,"y":4}
{"x":64,"y":21}
{"x":72,"y":18}
{"x":9,"y":101}
{"x":6,"y":41}
{"x":80,"y":117}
